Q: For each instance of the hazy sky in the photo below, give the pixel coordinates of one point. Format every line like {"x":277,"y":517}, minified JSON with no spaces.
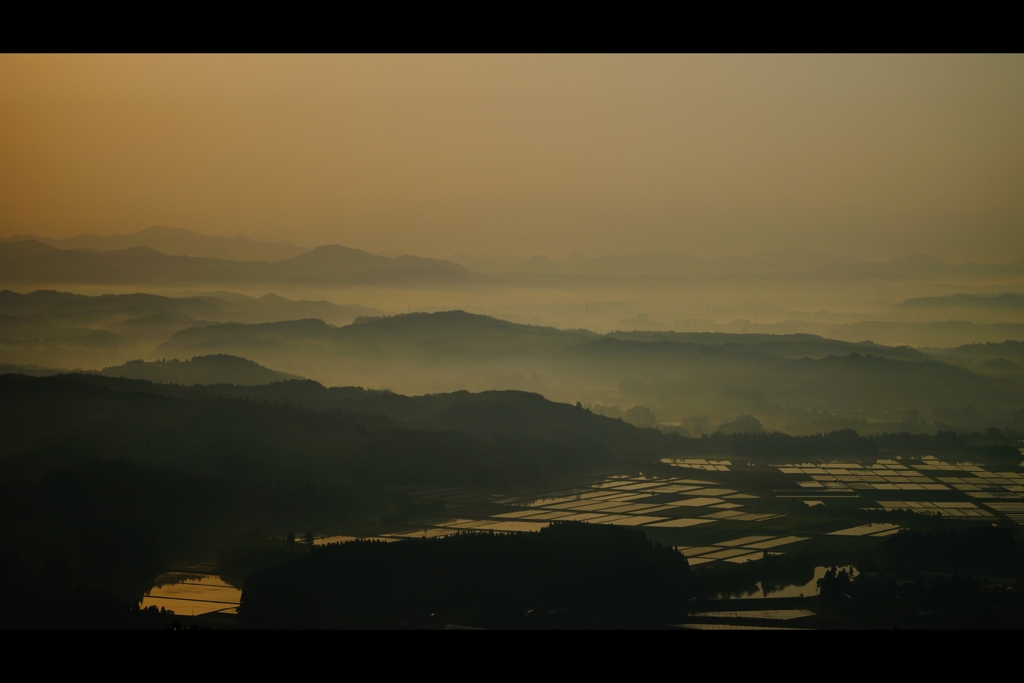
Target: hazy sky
{"x":877,"y":156}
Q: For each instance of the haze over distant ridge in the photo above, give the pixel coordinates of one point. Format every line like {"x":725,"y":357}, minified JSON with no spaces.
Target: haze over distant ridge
{"x":177,"y":242}
{"x":32,"y":262}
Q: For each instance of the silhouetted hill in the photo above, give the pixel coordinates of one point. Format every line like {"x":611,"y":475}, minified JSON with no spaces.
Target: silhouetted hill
{"x":217,"y":369}
{"x":487,"y":415}
{"x":1003,"y":361}
{"x":13,"y":303}
{"x":920,"y":331}
{"x":555,"y":435}
{"x":97,"y":310}
{"x":693,"y":373}
{"x":73,"y":309}
{"x":976,"y":308}
{"x":273,"y":308}
{"x":456,"y":332}
{"x":122,"y":266}
{"x":781,"y":345}
{"x":31,"y":370}
{"x":1007,"y":349}
{"x":27,"y":248}
{"x":169,"y":425}
{"x":1006,"y":301}
{"x":180,"y":242}
{"x":450,"y":334}
{"x":927,"y":334}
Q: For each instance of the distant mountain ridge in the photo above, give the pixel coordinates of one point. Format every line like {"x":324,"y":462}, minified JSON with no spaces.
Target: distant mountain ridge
{"x":199,"y":370}
{"x":933,"y":332}
{"x":175,"y":256}
{"x":32,"y":262}
{"x":177,"y":242}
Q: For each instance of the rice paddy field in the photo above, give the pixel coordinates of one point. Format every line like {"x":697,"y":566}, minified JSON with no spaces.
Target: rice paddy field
{"x":193,"y":594}
{"x":698,"y":505}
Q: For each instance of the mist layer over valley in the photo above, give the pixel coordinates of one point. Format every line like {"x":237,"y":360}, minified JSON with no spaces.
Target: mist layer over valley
{"x":591,"y":330}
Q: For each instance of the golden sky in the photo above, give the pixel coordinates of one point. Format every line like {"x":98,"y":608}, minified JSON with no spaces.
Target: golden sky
{"x":877,"y":156}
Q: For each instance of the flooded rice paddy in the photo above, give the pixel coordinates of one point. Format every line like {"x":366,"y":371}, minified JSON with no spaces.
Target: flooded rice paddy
{"x":725,"y":512}
{"x":191,"y":594}
{"x":804,"y":590}
{"x":686,"y":505}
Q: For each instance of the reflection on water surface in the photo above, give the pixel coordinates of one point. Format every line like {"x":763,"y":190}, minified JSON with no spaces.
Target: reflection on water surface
{"x":191,"y":594}
{"x":806,"y":590}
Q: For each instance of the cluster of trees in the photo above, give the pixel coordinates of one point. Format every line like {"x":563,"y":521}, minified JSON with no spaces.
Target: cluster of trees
{"x":216,"y":369}
{"x":767,"y":574}
{"x":777,"y":447}
{"x":992,"y":444}
{"x":591,"y":574}
{"x":931,"y":580}
{"x":986,"y":549}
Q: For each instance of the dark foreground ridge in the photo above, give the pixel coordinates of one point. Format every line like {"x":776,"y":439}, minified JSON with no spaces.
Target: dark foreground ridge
{"x":113,"y":481}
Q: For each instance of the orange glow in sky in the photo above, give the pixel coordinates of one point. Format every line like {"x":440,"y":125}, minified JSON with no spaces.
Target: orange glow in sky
{"x":877,"y":156}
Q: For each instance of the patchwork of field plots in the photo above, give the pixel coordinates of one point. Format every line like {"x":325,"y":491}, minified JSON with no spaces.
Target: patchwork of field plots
{"x":928,"y":474}
{"x":774,"y":614}
{"x":737,"y":550}
{"x":873,"y":530}
{"x":699,"y":464}
{"x":699,"y":512}
{"x":648,"y":501}
{"x":943,"y":509}
{"x":884,"y":475}
{"x":989,"y":485}
{"x":1014,"y":511}
{"x":719,"y":626}
{"x":638,"y":501}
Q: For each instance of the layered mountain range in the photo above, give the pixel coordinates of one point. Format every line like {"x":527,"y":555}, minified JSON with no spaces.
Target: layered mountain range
{"x":787,"y":378}
{"x":174,"y":255}
{"x":926,"y":353}
{"x":51,"y":328}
